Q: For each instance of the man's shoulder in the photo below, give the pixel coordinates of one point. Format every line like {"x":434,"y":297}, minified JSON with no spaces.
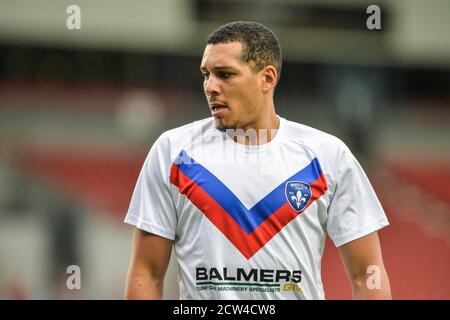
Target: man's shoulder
{"x":187,"y":132}
{"x":314,"y":138}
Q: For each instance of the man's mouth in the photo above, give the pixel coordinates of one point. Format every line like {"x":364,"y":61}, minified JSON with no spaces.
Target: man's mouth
{"x":215,"y":106}
{"x":217,"y":109}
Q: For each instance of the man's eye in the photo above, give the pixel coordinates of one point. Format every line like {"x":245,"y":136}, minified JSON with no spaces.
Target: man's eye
{"x":205,"y":75}
{"x":224,"y":74}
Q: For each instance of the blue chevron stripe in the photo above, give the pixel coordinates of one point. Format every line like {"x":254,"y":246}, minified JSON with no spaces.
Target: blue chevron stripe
{"x":249,"y":220}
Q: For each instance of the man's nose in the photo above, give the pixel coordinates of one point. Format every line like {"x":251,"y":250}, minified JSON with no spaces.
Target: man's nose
{"x":211,"y":86}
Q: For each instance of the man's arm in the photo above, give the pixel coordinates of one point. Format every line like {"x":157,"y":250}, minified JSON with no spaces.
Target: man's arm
{"x":364,"y":265}
{"x":149,"y":261}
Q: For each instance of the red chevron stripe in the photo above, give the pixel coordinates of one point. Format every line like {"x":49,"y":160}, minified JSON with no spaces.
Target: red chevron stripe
{"x":285,"y":214}
{"x":247,"y":244}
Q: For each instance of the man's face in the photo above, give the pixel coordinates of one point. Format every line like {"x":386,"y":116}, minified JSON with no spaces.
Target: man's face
{"x":233,"y":90}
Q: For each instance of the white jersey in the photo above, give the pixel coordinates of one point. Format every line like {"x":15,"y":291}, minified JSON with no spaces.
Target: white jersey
{"x":250,"y":222}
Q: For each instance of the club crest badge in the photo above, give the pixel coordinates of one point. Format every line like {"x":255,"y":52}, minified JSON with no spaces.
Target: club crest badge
{"x":298,"y":194}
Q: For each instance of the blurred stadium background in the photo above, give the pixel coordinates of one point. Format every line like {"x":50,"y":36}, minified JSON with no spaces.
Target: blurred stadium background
{"x":79,"y":110}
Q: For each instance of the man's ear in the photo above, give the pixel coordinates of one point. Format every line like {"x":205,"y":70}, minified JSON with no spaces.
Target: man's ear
{"x":270,"y":79}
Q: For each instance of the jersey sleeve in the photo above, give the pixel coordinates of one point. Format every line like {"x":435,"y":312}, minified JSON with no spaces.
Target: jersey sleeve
{"x":354,"y":209}
{"x":152,"y":208}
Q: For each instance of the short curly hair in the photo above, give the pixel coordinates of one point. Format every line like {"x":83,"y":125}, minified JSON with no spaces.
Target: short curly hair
{"x":260,"y":44}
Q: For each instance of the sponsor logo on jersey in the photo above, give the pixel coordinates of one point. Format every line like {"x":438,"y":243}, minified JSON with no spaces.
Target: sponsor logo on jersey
{"x":298,"y":194}
{"x":240,"y":279}
{"x":248,"y":229}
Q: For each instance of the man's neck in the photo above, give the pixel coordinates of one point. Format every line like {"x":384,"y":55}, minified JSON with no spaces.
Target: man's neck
{"x":258,"y":135}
